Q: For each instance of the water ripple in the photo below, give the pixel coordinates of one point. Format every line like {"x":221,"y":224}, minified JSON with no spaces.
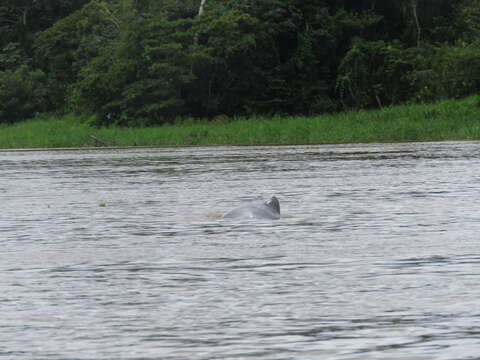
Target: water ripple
{"x":122,"y":254}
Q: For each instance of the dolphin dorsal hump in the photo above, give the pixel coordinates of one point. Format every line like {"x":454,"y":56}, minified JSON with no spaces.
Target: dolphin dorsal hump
{"x":274,"y":204}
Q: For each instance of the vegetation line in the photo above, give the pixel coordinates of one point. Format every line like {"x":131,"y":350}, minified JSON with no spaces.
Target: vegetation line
{"x":139,"y":63}
{"x":445,"y":120}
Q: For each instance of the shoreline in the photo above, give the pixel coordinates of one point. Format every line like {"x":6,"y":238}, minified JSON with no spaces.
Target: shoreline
{"x":94,"y":148}
{"x":448,"y":120}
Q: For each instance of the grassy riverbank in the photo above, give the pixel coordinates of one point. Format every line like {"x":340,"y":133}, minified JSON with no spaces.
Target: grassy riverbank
{"x":446,"y":120}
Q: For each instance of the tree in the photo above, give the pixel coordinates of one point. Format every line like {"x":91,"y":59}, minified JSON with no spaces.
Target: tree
{"x":374,"y":74}
{"x":23,"y":93}
{"x":421,"y":17}
{"x":161,"y":69}
{"x":12,"y":56}
{"x":21,"y":19}
{"x":467,"y":20}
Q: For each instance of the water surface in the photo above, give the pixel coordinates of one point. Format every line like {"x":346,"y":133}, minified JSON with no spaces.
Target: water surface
{"x":122,"y":253}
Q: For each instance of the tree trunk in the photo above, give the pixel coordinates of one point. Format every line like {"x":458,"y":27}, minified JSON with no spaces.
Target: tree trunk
{"x":202,"y":4}
{"x":414,"y":4}
{"x":200,"y":12}
{"x":24,"y":16}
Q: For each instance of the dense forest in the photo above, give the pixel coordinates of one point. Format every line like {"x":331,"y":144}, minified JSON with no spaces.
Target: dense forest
{"x":146,"y":62}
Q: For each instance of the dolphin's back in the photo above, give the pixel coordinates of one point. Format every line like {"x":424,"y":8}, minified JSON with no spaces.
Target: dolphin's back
{"x":269,"y":210}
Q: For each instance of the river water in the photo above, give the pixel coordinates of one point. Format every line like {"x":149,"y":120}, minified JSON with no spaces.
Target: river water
{"x":123,"y":254}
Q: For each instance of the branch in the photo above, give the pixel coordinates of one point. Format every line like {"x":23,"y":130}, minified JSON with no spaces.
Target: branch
{"x":8,"y":21}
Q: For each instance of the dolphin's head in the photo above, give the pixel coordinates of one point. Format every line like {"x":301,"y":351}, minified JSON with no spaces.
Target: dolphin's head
{"x":274,"y":204}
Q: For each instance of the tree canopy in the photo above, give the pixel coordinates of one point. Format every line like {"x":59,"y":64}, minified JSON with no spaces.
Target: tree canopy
{"x":142,"y":62}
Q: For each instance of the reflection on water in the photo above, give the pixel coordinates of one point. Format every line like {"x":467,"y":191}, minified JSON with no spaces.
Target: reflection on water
{"x":123,"y":254}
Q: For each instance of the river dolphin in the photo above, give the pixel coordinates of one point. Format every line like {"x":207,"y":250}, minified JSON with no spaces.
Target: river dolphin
{"x":263,"y":210}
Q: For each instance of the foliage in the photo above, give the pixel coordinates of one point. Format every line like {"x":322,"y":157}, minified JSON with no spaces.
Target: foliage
{"x":21,"y":19}
{"x":300,"y":44}
{"x":69,"y":44}
{"x":467,"y":20}
{"x":450,"y":72}
{"x":143,"y":62}
{"x":12,"y":56}
{"x":373,"y":74}
{"x":165,"y":68}
{"x":135,"y":77}
{"x":445,"y":120}
{"x":223,"y":64}
{"x":23,"y":93}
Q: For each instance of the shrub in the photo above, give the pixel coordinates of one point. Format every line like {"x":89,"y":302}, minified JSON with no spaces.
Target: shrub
{"x":451,"y":72}
{"x":23,"y":93}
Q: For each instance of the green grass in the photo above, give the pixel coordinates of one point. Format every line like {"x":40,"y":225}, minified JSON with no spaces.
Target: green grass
{"x":445,"y":120}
